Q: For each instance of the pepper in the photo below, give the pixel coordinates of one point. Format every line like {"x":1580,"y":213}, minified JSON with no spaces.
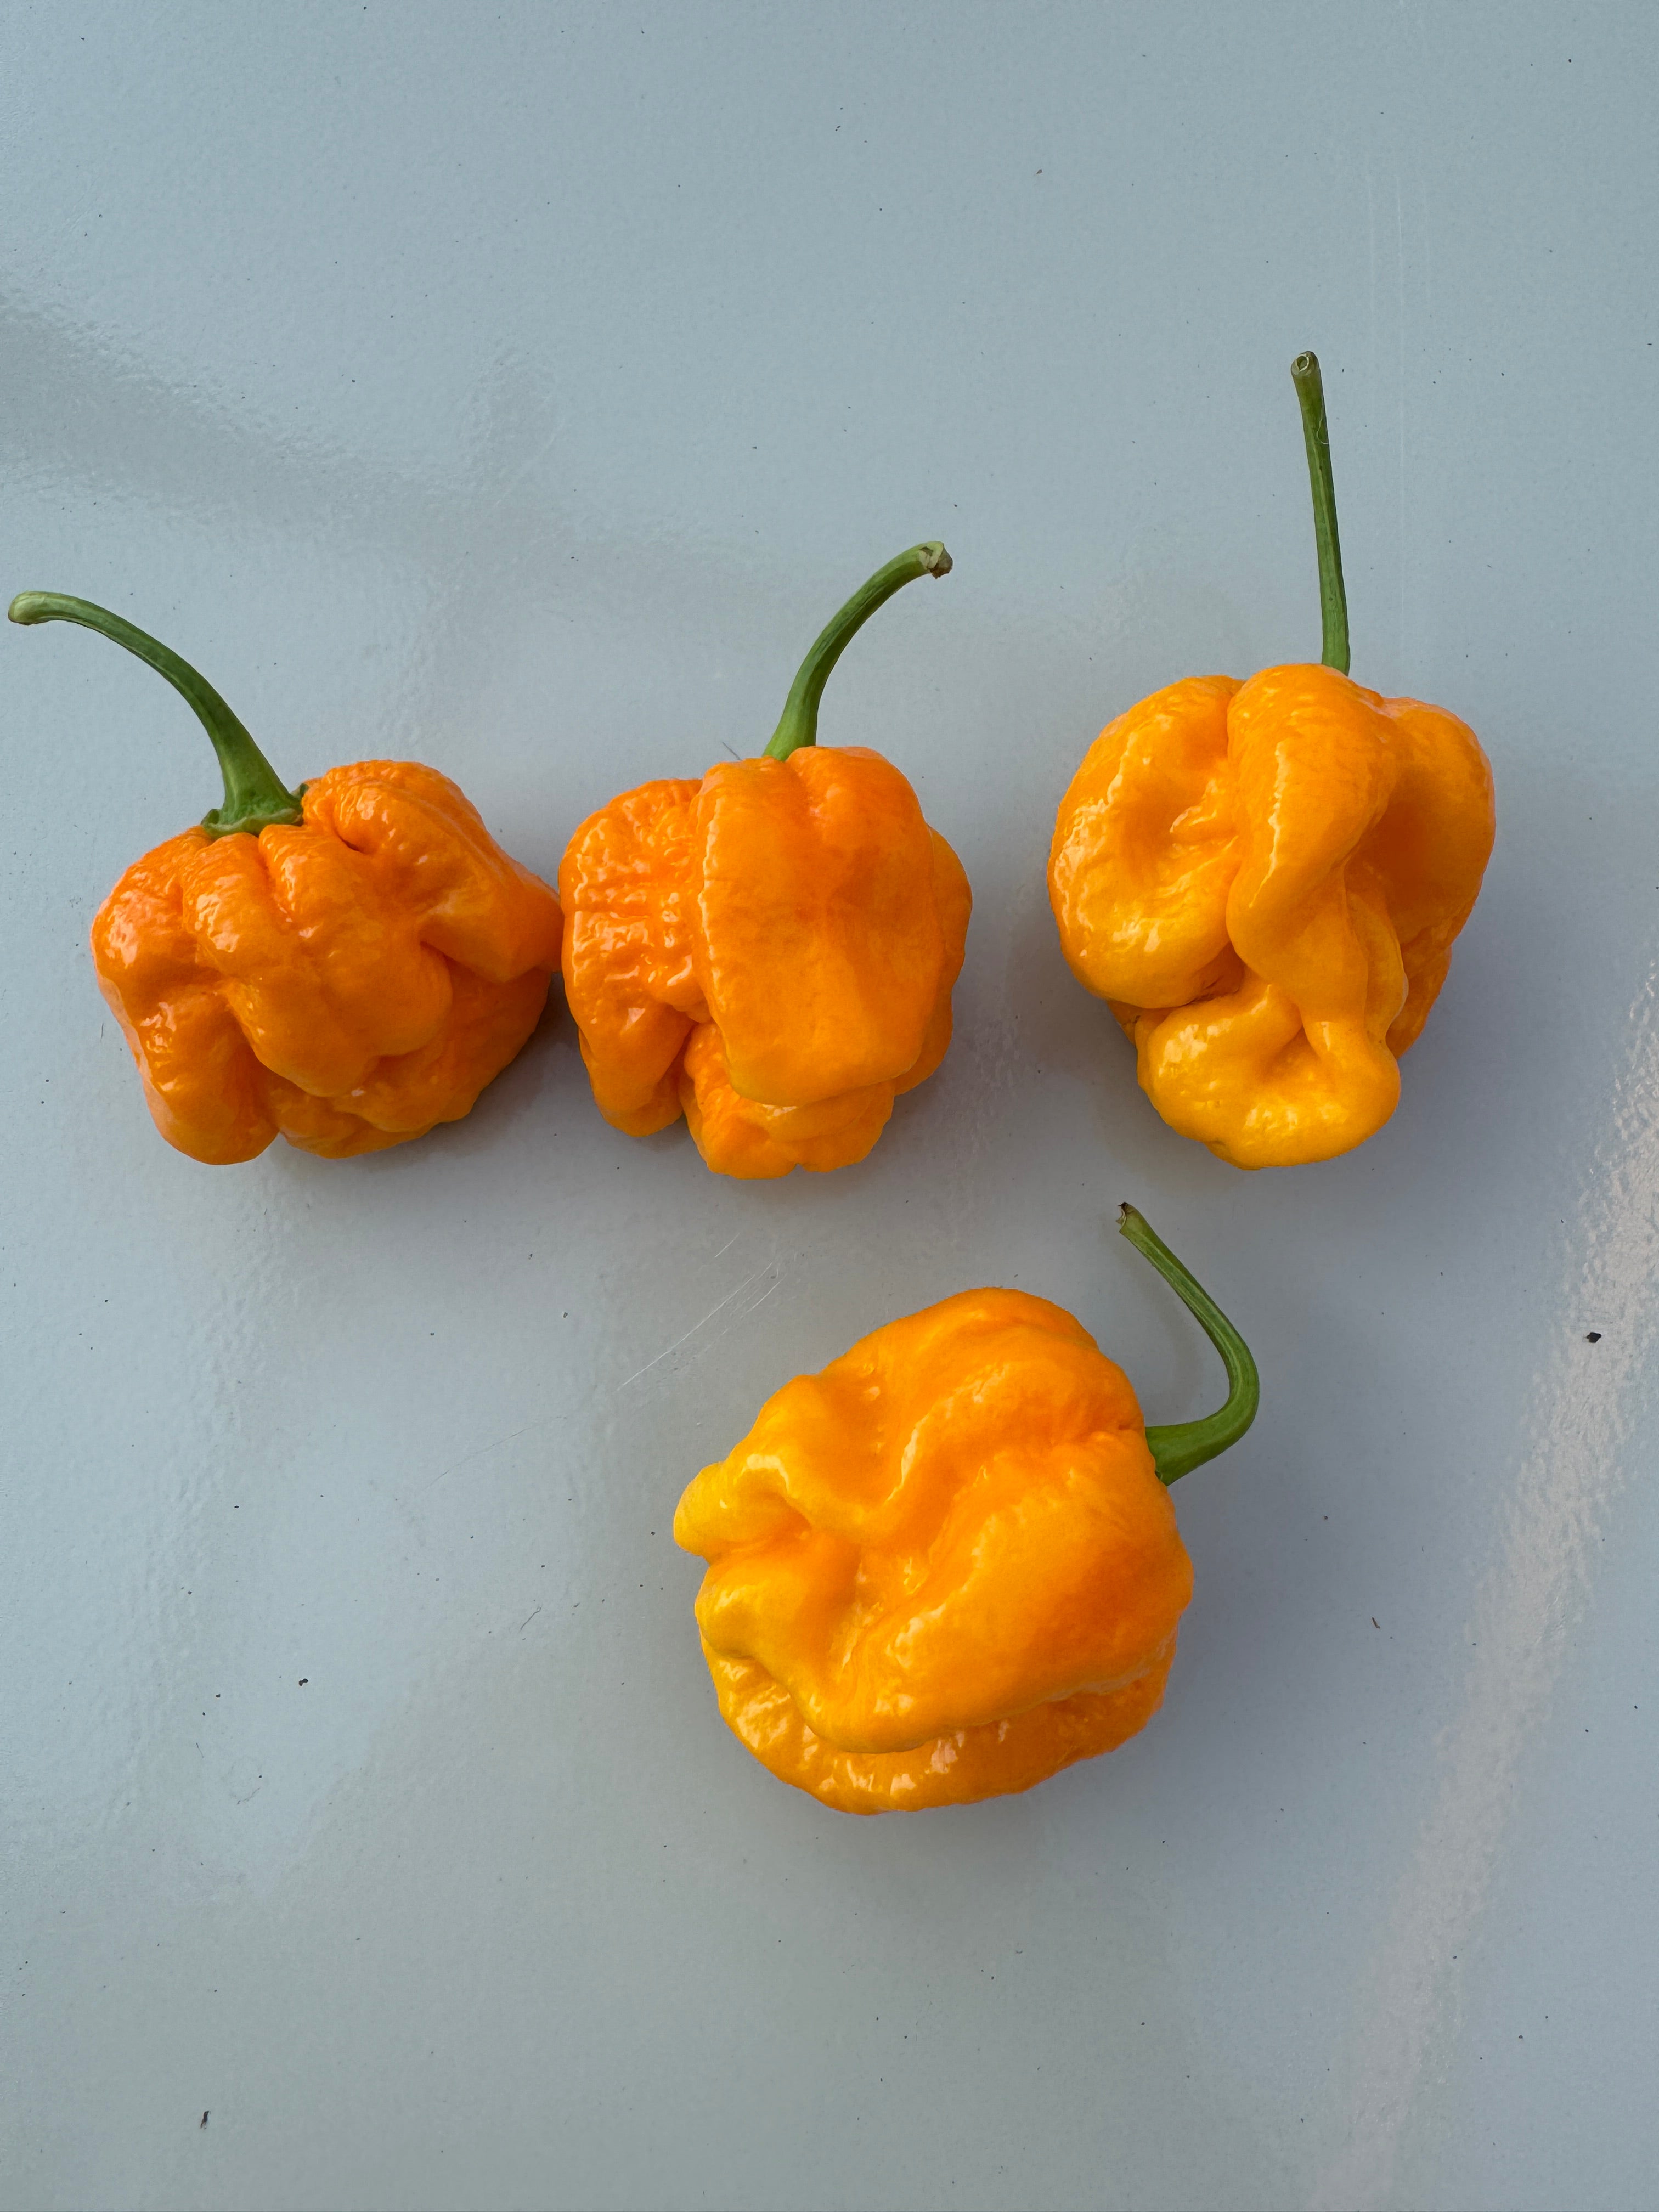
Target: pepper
{"x":1263,"y":880}
{"x":948,"y":1565}
{"x":769,"y":951}
{"x":346,"y":965}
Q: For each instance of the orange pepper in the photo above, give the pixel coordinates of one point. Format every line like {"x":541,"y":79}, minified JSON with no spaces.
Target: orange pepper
{"x":948,"y":1565}
{"x":769,"y":951}
{"x":345,"y":965}
{"x":1264,"y":881}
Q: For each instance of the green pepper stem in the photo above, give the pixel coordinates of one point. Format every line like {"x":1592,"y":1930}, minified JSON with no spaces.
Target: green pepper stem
{"x":254,"y":795}
{"x":1181,"y":1446}
{"x":800,"y":723}
{"x":1315,"y":432}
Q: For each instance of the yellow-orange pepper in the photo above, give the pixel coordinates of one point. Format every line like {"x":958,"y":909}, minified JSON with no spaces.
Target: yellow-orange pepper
{"x":948,"y":1565}
{"x":345,"y":965}
{"x":1264,"y":881}
{"x":771,"y":951}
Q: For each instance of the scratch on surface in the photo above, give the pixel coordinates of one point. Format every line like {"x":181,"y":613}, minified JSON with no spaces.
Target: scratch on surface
{"x":482,"y":1452}
{"x":524,"y":1623}
{"x":1573,"y":1462}
{"x":737,"y":1305}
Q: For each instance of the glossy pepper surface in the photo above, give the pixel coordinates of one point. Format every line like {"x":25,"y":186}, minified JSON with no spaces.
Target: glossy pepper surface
{"x":345,"y":966}
{"x":948,"y":1565}
{"x":1264,"y":880}
{"x":769,"y":951}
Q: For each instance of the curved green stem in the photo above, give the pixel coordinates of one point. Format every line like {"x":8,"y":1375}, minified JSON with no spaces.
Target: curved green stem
{"x":799,"y":724}
{"x":1180,"y":1447}
{"x":254,"y":795}
{"x":1315,"y":431}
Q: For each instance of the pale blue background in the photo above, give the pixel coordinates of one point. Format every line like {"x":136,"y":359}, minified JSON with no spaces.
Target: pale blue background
{"x":519,"y":388}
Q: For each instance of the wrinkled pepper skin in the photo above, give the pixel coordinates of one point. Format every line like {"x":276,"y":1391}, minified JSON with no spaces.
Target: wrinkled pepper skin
{"x":347,"y":982}
{"x":945,"y":1567}
{"x":769,"y":951}
{"x":1264,"y":881}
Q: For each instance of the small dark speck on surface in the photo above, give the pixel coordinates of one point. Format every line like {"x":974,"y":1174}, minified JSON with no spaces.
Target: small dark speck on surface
{"x":1375,"y":1622}
{"x":304,"y":1678}
{"x":1592,"y":1336}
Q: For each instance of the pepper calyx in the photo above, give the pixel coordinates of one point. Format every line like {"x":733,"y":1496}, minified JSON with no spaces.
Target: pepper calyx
{"x":798,"y":724}
{"x":255,"y":796}
{"x":1178,"y":1447}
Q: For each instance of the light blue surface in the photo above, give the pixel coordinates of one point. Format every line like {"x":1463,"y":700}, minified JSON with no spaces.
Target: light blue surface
{"x":519,"y":390}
